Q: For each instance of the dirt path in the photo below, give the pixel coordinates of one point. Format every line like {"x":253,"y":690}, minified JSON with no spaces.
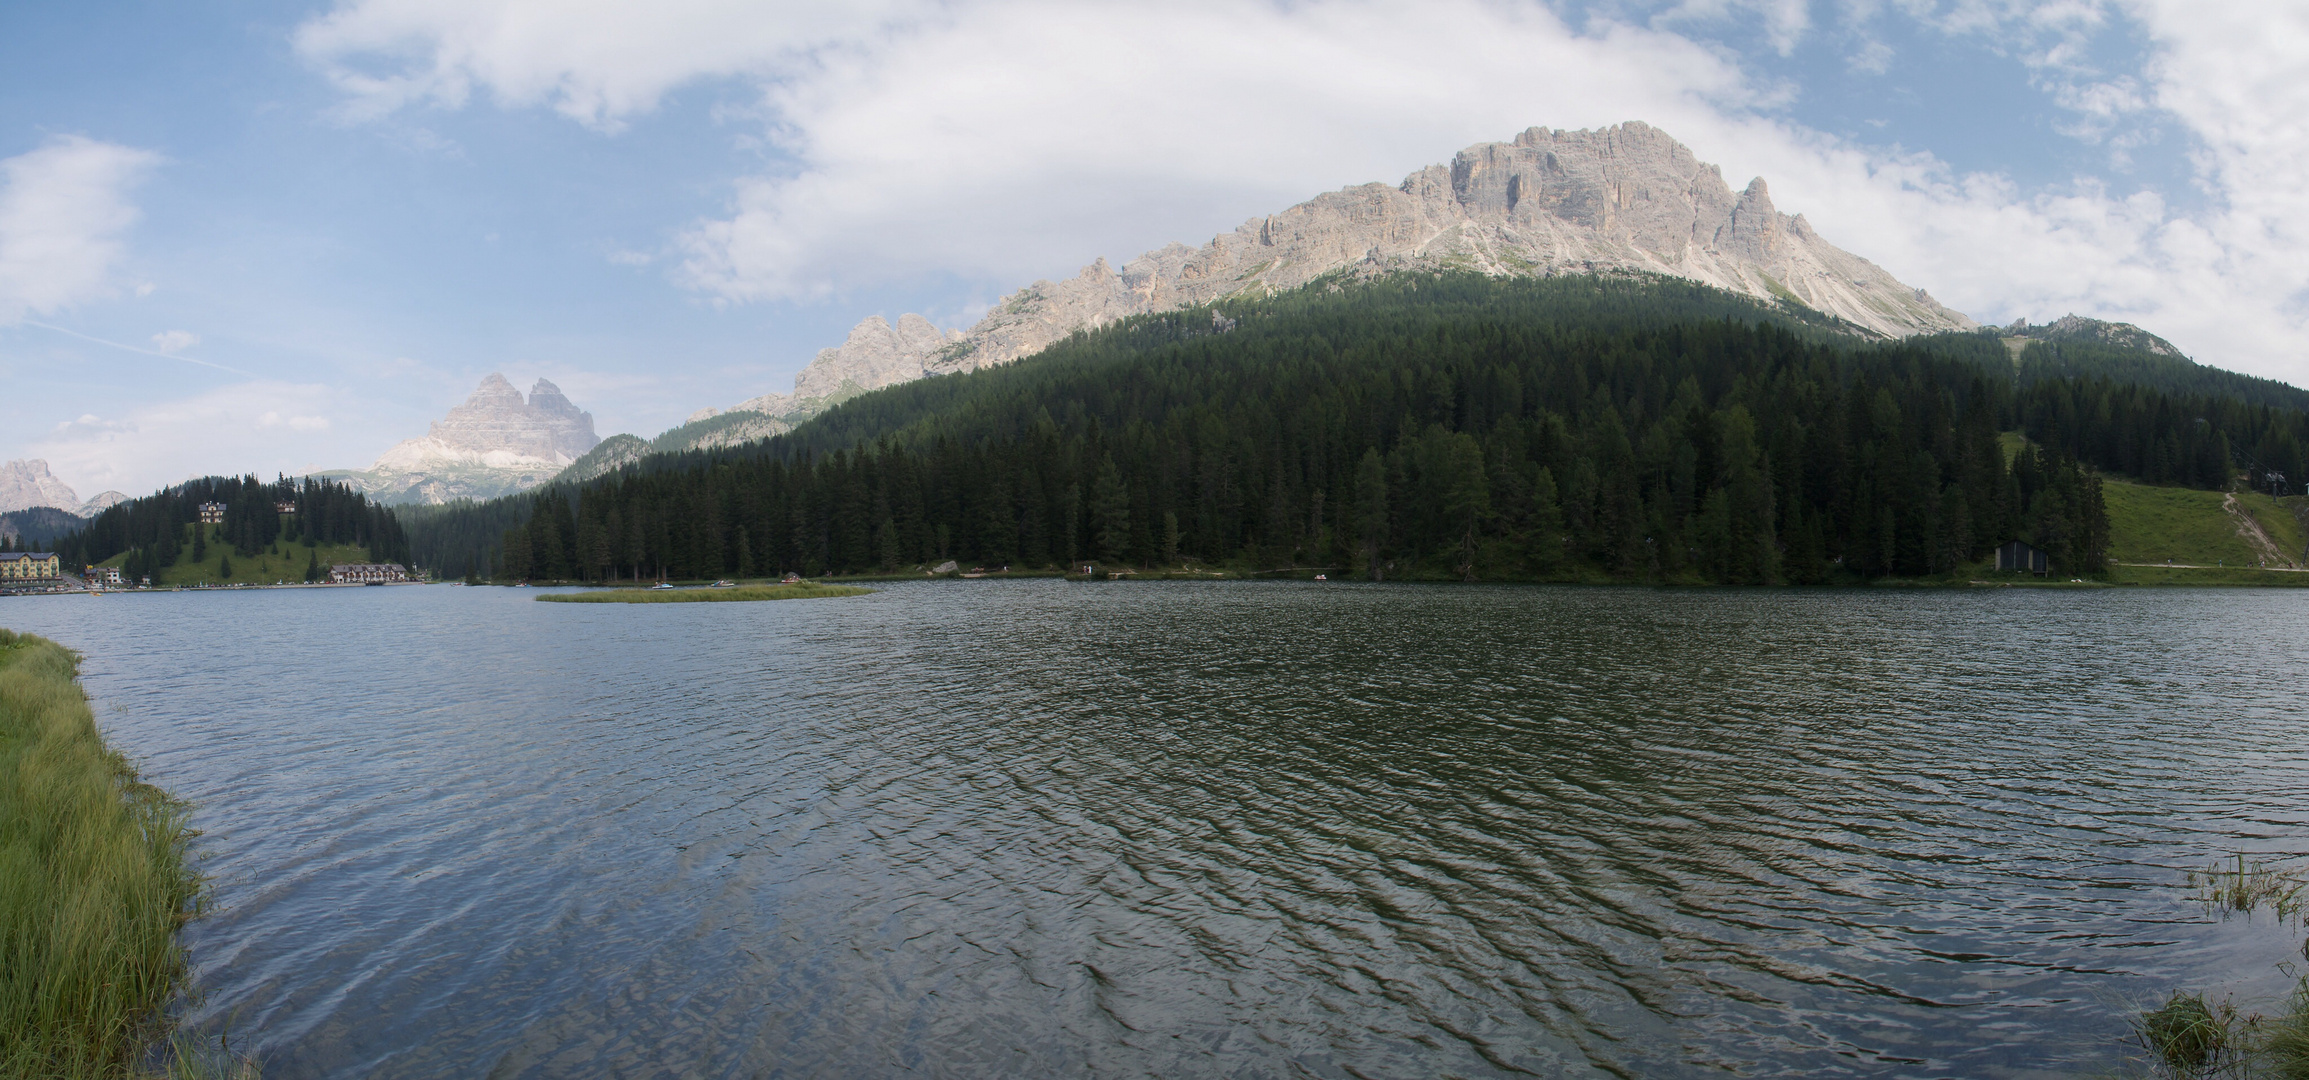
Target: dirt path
{"x":2255,"y":536}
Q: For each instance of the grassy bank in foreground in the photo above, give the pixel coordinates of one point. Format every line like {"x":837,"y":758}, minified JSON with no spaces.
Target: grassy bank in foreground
{"x":804,"y":591}
{"x":94,"y":881}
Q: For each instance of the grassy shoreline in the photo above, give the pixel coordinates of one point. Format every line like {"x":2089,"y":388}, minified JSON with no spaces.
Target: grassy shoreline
{"x":808,"y":590}
{"x":95,"y":881}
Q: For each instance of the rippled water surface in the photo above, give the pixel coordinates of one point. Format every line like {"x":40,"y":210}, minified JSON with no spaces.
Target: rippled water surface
{"x":987,"y":829}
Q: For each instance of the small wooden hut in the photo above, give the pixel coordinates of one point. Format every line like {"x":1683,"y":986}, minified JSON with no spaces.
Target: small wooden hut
{"x":2022,"y":556}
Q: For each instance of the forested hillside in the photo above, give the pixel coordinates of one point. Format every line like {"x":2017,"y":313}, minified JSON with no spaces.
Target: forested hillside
{"x":2044,"y":361}
{"x":154,"y":530}
{"x":1579,"y":428}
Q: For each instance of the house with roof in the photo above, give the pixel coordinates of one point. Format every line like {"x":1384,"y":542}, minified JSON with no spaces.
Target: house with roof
{"x":29,"y":566}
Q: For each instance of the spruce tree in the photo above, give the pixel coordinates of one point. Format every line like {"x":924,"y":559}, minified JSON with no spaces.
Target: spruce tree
{"x":1371,"y":509}
{"x":1110,"y":512}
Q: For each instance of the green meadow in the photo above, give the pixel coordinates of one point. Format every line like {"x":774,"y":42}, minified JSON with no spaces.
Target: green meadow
{"x":2209,"y":543}
{"x":284,"y":561}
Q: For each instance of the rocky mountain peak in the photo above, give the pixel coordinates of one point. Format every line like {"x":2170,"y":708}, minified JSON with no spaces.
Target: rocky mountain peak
{"x":494,"y":393}
{"x":28,"y":483}
{"x":495,"y":443}
{"x":546,"y":427}
{"x":2074,"y":327}
{"x":1627,"y":198}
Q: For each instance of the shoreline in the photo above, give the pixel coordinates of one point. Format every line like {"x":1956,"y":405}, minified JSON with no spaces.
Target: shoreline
{"x":99,"y":955}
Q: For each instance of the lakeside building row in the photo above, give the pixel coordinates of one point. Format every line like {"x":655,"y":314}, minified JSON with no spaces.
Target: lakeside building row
{"x":367,"y":573}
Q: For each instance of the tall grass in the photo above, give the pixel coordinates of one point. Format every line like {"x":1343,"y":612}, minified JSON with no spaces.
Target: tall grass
{"x":95,"y":882}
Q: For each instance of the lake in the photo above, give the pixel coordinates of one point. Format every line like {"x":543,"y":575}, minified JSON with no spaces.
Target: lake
{"x":1030,"y":828}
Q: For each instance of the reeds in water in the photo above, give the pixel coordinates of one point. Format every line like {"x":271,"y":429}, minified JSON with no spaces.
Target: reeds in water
{"x":2246,"y":886}
{"x":95,"y":882}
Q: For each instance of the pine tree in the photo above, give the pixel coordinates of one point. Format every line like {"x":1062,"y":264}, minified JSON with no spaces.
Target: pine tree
{"x":1110,"y":513}
{"x":1544,"y":543}
{"x":1371,"y":509}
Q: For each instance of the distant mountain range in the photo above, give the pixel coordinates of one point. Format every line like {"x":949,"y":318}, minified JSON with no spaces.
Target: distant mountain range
{"x":1628,"y":199}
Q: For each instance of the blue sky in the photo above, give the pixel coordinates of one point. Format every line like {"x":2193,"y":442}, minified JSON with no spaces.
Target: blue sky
{"x":268,"y":237}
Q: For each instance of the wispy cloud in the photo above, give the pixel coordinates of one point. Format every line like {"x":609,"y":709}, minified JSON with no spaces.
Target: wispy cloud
{"x":168,"y":355}
{"x":175,"y":341}
{"x":64,"y":210}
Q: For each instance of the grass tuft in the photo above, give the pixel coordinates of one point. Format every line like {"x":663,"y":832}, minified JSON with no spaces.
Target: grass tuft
{"x":805,"y":591}
{"x":2191,"y":1037}
{"x":95,"y":881}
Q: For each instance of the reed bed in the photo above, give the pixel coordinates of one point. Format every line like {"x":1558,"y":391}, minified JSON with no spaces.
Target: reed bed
{"x":95,"y":882}
{"x":805,"y":591}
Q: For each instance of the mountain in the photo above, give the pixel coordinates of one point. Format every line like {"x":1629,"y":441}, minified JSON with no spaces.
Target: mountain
{"x":2077,"y":328}
{"x":26,"y":484}
{"x":1625,"y":198}
{"x":614,"y":453}
{"x":2075,"y":347}
{"x":1606,"y":427}
{"x":494,"y":444}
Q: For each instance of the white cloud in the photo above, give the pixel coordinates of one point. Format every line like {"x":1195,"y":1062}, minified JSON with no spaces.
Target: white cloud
{"x":1029,"y":137}
{"x":260,"y":427}
{"x":175,"y":340}
{"x":1002,"y":140}
{"x":63,"y":211}
{"x":595,"y":61}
